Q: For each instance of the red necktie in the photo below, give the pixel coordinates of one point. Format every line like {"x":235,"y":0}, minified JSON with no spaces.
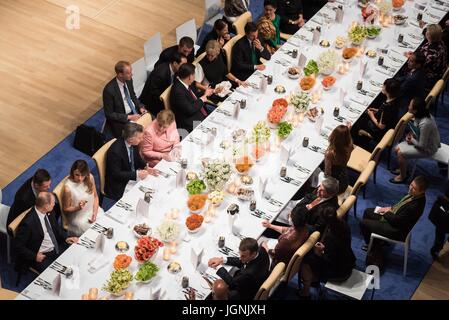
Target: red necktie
{"x":313,"y":203}
{"x":203,"y":111}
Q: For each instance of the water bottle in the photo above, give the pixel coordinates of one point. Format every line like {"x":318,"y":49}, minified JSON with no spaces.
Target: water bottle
{"x":316,"y":36}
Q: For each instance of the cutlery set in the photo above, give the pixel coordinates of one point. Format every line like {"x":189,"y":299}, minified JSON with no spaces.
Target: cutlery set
{"x":262,"y":215}
{"x":42,"y":283}
{"x":146,"y":189}
{"x":124,"y":205}
{"x":98,"y":227}
{"x":317,"y":149}
{"x":228,"y":252}
{"x":68,"y":272}
{"x":301,"y":168}
{"x":197,"y":293}
{"x":291,"y":181}
{"x":367,"y":93}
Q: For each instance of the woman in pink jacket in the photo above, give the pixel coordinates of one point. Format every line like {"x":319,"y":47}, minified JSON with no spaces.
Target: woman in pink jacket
{"x":160,"y":137}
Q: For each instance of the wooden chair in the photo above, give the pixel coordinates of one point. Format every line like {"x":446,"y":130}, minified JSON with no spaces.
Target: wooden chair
{"x":360,"y":157}
{"x":228,"y":49}
{"x":16,"y":222}
{"x":59,"y":191}
{"x":165,"y":98}
{"x":4,"y":212}
{"x":272,"y":282}
{"x":285,"y":36}
{"x":433,"y":96}
{"x":145,"y":120}
{"x":199,"y":58}
{"x":240,"y":23}
{"x":100,"y":160}
{"x":398,"y":134}
{"x":346,"y":206}
{"x":295,"y":261}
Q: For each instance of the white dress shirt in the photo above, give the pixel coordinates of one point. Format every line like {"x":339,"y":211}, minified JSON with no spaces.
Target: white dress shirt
{"x":121,"y":85}
{"x":47,"y":245}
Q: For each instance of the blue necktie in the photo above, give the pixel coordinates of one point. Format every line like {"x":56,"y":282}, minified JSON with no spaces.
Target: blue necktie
{"x":128,"y":98}
{"x":51,"y":234}
{"x":131,"y":157}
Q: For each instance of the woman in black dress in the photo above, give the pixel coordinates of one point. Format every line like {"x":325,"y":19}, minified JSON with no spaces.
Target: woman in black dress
{"x":331,"y":258}
{"x":290,"y":12}
{"x":220,"y":32}
{"x":377,"y":121}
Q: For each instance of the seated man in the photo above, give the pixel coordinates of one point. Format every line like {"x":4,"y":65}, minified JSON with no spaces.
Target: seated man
{"x":220,"y":291}
{"x":397,"y":221}
{"x":247,"y":52}
{"x":253,"y":269}
{"x":413,"y":82}
{"x":159,"y":80}
{"x":185,"y":104}
{"x":314,"y":204}
{"x":184,"y":48}
{"x":25,"y":197}
{"x":120,"y":103}
{"x":40,"y":239}
{"x":123,"y":162}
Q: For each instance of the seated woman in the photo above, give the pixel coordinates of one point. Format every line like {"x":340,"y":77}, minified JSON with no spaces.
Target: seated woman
{"x":337,"y":156}
{"x":331,"y":258}
{"x":290,"y":12}
{"x":421,"y":142}
{"x":290,"y":238}
{"x":435,"y":53}
{"x":272,"y":39}
{"x":220,"y":33}
{"x":80,"y":203}
{"x":377,"y":121}
{"x":159,"y":139}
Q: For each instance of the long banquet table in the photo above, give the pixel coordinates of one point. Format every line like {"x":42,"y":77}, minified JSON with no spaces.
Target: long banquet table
{"x":169,"y":197}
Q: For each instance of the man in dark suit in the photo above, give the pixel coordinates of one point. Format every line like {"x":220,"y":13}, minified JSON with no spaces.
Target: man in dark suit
{"x":397,"y":221}
{"x":311,"y":7}
{"x":120,"y":103}
{"x":123,"y":162}
{"x":159,"y":80}
{"x":247,"y":52}
{"x":439,"y":216}
{"x":184,"y":48}
{"x":253,"y":269}
{"x":39,"y":238}
{"x":184,"y":101}
{"x":413,"y":82}
{"x":314,"y":204}
{"x":25,"y":197}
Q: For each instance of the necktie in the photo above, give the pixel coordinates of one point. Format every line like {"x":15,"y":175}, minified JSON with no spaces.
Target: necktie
{"x":51,"y":234}
{"x":313,"y":203}
{"x":128,"y":98}
{"x":203,"y":111}
{"x":131,"y":157}
{"x":253,"y":54}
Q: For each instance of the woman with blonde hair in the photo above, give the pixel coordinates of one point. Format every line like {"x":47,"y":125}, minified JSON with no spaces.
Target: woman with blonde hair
{"x":337,"y":156}
{"x":80,"y":203}
{"x":269,"y":26}
{"x":160,"y":139}
{"x":436,"y":55}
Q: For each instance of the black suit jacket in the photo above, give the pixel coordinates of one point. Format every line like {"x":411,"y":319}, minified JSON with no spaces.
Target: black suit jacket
{"x":184,"y":106}
{"x":412,"y":85}
{"x":242,"y":65}
{"x":25,"y":199}
{"x":118,"y":168}
{"x":246,"y":281}
{"x":29,"y":238}
{"x":315,"y":217}
{"x":159,"y":80}
{"x":168,"y":53}
{"x":407,"y":216}
{"x":311,"y":7}
{"x":114,"y":107}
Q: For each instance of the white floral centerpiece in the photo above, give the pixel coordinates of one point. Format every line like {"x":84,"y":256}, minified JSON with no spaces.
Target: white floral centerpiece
{"x":328,"y":61}
{"x":384,"y":6}
{"x":216,"y":174}
{"x":169,"y":230}
{"x":300,"y":101}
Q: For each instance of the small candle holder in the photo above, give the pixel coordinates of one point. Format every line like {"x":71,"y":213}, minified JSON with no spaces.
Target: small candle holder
{"x":129,"y":295}
{"x":93,"y":294}
{"x":167,"y":255}
{"x":173,"y":247}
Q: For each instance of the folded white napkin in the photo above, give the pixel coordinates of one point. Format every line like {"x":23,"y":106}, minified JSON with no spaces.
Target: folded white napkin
{"x":226,"y":85}
{"x":97,"y":263}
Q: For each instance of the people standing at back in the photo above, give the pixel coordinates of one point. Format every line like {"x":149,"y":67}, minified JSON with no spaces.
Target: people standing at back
{"x":80,"y":202}
{"x":184,"y":48}
{"x":291,"y":15}
{"x":123,"y":162}
{"x":120,"y":103}
{"x":247,"y":52}
{"x":233,"y":9}
{"x":184,"y":101}
{"x":159,"y":80}
{"x":26,"y":195}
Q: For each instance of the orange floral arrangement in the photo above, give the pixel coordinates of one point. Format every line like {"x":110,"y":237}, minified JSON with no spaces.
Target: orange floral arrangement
{"x":276,"y":113}
{"x":397,"y":3}
{"x":243,"y":164}
{"x":194,"y":221}
{"x":307,"y":83}
{"x":348,"y":53}
{"x":281,"y":101}
{"x":146,"y":247}
{"x":328,"y":81}
{"x":122,"y":261}
{"x":197,"y":202}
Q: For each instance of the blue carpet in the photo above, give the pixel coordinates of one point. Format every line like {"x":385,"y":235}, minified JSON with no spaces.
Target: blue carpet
{"x":393,"y":286}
